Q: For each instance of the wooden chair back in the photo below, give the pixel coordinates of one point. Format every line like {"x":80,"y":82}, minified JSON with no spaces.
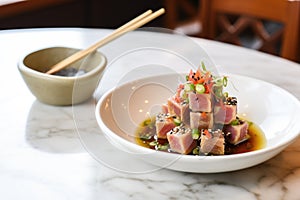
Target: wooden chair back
{"x":182,"y":13}
{"x":226,"y":20}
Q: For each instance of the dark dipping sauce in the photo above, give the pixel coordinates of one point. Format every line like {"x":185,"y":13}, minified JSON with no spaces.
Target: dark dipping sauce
{"x":69,"y":72}
{"x":145,"y":136}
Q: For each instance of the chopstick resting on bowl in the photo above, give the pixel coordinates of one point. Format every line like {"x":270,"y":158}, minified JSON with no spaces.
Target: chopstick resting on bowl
{"x":129,"y":26}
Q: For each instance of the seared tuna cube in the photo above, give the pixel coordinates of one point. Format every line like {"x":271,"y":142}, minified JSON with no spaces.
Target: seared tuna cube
{"x":180,"y":140}
{"x":236,"y":133}
{"x":164,"y":123}
{"x":212,"y":142}
{"x":200,"y":102}
{"x":201,"y":120}
{"x":164,"y":108}
{"x":180,"y":109}
{"x":224,"y":114}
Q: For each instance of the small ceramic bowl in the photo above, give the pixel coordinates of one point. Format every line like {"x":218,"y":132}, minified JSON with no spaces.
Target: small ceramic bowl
{"x":61,"y":90}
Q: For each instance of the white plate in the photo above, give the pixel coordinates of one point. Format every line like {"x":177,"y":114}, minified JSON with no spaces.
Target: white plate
{"x":277,"y":112}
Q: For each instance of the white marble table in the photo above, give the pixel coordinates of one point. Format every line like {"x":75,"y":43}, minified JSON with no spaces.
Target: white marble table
{"x":42,"y":157}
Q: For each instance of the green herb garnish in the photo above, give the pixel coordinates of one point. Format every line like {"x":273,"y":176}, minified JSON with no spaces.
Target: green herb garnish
{"x":177,"y":121}
{"x":162,"y":147}
{"x":195,"y":134}
{"x":200,"y":89}
{"x":225,"y":81}
{"x":188,"y":87}
{"x":153,"y":143}
{"x":203,"y":66}
{"x":235,"y":122}
{"x":146,"y":136}
{"x":196,"y":151}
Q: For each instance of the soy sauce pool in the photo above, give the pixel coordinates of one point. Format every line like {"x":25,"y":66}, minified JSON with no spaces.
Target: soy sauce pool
{"x":145,"y":136}
{"x":256,"y":141}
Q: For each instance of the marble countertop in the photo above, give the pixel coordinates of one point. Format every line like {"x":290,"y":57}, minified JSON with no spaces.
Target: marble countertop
{"x":43,"y":157}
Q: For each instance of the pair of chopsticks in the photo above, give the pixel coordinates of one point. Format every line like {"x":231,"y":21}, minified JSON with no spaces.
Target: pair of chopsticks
{"x":130,"y":26}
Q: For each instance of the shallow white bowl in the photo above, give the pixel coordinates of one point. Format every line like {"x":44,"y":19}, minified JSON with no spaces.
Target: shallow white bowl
{"x":273,"y":109}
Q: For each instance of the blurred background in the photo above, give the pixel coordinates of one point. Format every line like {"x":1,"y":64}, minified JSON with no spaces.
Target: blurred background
{"x":271,"y":26}
{"x":72,"y":13}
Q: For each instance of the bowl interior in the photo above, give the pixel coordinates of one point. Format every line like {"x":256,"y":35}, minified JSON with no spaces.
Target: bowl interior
{"x":42,"y":60}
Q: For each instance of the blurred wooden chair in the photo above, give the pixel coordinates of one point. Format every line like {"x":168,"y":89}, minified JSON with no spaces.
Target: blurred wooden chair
{"x":183,"y":16}
{"x":226,"y":20}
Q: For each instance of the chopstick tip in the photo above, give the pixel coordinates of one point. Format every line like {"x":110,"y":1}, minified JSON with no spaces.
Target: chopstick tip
{"x":163,"y":10}
{"x":149,"y":11}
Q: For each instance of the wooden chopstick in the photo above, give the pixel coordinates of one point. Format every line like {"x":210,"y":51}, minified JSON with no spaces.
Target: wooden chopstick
{"x":130,"y":26}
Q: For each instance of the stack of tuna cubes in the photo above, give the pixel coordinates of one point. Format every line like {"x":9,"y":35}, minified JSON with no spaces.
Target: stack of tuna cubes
{"x":190,"y":118}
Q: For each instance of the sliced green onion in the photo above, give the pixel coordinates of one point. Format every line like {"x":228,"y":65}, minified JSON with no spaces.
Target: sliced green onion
{"x":226,"y":94}
{"x":196,"y":151}
{"x":225,"y":81}
{"x":153,"y":143}
{"x":189,"y":87}
{"x":186,"y":99}
{"x":219,"y":83}
{"x":203,"y":66}
{"x":195,"y":134}
{"x":235,"y":122}
{"x":200,"y":88}
{"x":146,"y":136}
{"x":177,"y":121}
{"x":184,"y":95}
{"x":163,"y":147}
